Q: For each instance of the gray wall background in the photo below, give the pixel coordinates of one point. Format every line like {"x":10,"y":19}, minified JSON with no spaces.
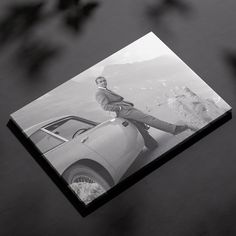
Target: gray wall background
{"x":192,"y":194}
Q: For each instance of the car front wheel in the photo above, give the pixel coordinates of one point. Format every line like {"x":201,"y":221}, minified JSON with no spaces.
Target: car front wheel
{"x":86,"y":182}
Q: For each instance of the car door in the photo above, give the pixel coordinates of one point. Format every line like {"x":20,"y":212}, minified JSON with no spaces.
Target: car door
{"x":117,"y":141}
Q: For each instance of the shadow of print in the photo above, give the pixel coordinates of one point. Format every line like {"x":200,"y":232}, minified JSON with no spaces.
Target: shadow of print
{"x":34,"y":55}
{"x":22,"y":22}
{"x":75,"y":13}
{"x":159,"y":10}
{"x":19,"y":21}
{"x":230,"y":59}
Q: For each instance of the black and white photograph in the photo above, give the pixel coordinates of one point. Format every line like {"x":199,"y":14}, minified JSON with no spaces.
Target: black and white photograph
{"x":116,"y":117}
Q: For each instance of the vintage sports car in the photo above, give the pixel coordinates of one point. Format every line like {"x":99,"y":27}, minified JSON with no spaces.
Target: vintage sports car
{"x":84,"y":151}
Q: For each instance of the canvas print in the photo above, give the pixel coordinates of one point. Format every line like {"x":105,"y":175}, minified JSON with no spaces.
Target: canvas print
{"x":116,"y":117}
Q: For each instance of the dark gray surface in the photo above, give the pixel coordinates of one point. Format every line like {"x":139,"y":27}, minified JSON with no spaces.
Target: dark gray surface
{"x":192,"y":194}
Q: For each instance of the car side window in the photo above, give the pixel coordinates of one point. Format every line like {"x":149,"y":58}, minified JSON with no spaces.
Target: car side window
{"x":67,"y":128}
{"x":45,"y":141}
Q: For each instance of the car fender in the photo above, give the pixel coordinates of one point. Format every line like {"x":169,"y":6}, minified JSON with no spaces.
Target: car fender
{"x":70,"y":152}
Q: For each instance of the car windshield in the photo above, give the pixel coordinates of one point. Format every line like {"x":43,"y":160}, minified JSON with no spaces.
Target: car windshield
{"x":59,"y":132}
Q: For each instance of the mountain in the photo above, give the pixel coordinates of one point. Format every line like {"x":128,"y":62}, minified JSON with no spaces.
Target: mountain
{"x":158,"y":68}
{"x":193,"y":109}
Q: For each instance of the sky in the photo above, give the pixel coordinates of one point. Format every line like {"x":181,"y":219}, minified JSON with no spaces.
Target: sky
{"x":145,"y":48}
